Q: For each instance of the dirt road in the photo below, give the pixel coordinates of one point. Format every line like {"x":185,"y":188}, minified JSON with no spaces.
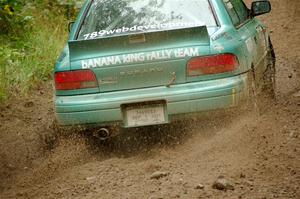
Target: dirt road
{"x":258,"y":154}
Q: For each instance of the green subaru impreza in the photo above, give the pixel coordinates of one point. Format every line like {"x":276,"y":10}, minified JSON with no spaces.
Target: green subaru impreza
{"x":144,"y":62}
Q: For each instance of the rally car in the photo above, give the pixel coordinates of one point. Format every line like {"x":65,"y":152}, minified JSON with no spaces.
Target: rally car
{"x":144,"y":62}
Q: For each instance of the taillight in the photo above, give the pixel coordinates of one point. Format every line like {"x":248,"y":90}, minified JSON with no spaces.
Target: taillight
{"x":212,"y":64}
{"x":72,"y":80}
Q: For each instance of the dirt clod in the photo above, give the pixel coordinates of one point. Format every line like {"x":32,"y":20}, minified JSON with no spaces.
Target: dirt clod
{"x":222,"y":184}
{"x":158,"y":174}
{"x":200,"y":186}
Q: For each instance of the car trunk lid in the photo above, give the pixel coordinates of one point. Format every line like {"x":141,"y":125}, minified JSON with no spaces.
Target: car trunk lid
{"x":140,"y":60}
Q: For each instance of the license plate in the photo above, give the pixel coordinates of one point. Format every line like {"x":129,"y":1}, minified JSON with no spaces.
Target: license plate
{"x":145,"y":115}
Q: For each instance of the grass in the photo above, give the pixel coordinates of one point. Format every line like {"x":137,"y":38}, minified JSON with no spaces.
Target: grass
{"x":27,"y":60}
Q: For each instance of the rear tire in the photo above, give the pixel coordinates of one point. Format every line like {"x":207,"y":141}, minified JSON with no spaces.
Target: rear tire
{"x":261,"y":97}
{"x":269,"y":78}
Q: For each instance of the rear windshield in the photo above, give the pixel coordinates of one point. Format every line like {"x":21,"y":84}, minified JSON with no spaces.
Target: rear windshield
{"x":107,"y":18}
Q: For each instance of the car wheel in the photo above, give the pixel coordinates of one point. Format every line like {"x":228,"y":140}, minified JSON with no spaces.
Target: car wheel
{"x":260,"y":98}
{"x":269,"y":84}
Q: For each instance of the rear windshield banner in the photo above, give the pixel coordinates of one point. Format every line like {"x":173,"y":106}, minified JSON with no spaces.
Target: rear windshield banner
{"x":140,"y":28}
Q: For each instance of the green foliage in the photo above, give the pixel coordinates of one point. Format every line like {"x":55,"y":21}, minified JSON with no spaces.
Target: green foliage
{"x":14,"y":15}
{"x":11,"y":16}
{"x":32,"y":38}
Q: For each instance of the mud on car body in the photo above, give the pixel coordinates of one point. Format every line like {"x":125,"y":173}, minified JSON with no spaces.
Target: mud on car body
{"x":143,"y":62}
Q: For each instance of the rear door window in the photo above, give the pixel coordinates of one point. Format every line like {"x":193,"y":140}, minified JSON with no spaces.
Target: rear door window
{"x":117,"y":17}
{"x":237,"y":10}
{"x":232,"y":12}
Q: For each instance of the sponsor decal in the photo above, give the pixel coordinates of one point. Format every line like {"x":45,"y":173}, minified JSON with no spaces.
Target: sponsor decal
{"x":140,"y":71}
{"x":250,"y":44}
{"x":135,"y":72}
{"x":219,"y":48}
{"x":251,"y":47}
{"x":140,"y":57}
{"x":140,"y":28}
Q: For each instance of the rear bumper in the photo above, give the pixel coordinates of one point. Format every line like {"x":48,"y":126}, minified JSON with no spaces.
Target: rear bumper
{"x":105,"y":108}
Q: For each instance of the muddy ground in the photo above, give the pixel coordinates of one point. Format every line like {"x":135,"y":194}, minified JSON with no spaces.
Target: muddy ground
{"x":258,"y":154}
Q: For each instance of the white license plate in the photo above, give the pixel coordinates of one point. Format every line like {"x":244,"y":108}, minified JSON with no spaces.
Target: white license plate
{"x":144,"y":116}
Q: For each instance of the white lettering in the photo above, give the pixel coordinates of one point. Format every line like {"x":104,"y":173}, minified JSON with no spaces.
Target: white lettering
{"x":140,"y":57}
{"x":93,"y":35}
{"x":179,"y":53}
{"x":152,"y":56}
{"x":102,"y":32}
{"x":132,"y":29}
{"x":86,"y":36}
{"x":126,"y":59}
{"x":194,"y":52}
{"x":140,"y":28}
{"x":169,"y":53}
{"x":110,"y":32}
{"x":117,"y":60}
{"x":84,"y":65}
{"x":125,"y":29}
{"x":97,"y":62}
{"x":147,"y":27}
{"x":153,"y":27}
{"x":91,"y":64}
{"x":135,"y":28}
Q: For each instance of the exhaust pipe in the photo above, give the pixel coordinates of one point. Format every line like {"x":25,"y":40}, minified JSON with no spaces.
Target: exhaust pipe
{"x":103,"y":134}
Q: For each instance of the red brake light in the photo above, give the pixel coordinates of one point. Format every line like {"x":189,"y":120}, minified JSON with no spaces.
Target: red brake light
{"x":212,"y":64}
{"x":71,"y":80}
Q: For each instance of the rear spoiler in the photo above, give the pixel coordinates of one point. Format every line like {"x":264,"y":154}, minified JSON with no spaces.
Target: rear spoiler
{"x":106,"y":46}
